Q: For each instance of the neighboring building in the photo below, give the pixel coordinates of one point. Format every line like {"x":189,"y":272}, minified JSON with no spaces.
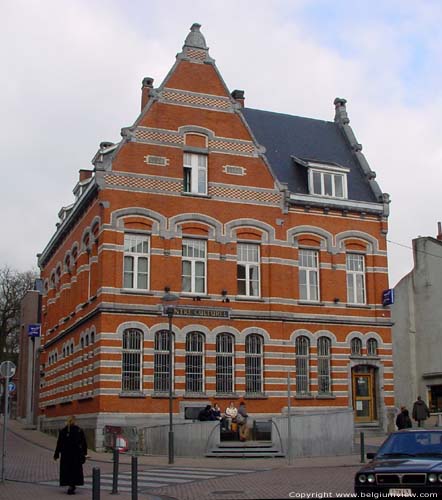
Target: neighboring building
{"x":28,"y":369}
{"x":417,"y":330}
{"x":269,"y":227}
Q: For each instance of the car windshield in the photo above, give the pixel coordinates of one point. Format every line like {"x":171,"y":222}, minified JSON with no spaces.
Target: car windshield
{"x":416,"y":444}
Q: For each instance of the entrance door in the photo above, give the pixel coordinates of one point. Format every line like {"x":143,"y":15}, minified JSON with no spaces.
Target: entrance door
{"x":363,"y":400}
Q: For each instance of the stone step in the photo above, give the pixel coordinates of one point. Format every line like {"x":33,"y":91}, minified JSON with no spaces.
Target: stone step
{"x":245,"y":450}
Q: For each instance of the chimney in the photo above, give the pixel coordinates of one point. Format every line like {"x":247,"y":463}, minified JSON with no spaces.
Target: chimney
{"x":146,"y":85}
{"x":439,"y":231}
{"x":341,"y":115}
{"x":85,"y":174}
{"x":238,"y":95}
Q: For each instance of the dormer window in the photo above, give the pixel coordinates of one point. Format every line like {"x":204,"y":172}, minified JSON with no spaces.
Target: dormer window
{"x":327,"y":180}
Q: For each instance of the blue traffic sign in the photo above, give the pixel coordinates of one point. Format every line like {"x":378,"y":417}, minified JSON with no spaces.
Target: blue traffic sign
{"x":11,"y":387}
{"x":34,"y":330}
{"x":388,"y":297}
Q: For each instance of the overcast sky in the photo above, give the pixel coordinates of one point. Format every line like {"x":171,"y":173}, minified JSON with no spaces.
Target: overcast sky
{"x":71,"y":73}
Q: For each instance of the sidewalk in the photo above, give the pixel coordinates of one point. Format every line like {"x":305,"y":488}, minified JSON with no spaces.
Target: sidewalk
{"x":29,"y":461}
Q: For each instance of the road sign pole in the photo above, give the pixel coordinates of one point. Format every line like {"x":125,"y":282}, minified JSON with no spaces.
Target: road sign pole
{"x":5,"y":423}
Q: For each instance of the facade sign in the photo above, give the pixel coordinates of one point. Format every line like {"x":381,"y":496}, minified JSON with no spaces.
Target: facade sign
{"x":202,"y":312}
{"x":34,"y":330}
{"x":388,"y":297}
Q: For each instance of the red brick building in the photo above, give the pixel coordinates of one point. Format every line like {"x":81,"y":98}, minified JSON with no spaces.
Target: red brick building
{"x":271,"y":230}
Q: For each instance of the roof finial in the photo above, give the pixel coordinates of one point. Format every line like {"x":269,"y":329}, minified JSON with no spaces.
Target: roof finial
{"x":195,"y":38}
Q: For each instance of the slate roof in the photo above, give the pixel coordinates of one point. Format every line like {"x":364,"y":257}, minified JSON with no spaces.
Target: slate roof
{"x":285,"y":136}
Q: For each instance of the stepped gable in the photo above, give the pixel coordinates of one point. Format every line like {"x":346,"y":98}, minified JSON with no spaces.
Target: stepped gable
{"x":285,"y":136}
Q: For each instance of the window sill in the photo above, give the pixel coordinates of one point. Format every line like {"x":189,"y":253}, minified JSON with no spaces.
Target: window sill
{"x":325,"y":396}
{"x":358,"y":306}
{"x":246,"y":298}
{"x":226,"y":395}
{"x":310,"y":303}
{"x":135,"y":394}
{"x":195,"y":395}
{"x":197,"y":195}
{"x":304,"y":396}
{"x":195,"y":296}
{"x":258,"y":395}
{"x":136,"y":291}
{"x":162,"y":395}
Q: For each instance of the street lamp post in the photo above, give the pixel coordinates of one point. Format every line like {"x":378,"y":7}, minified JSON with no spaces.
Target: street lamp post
{"x":169,"y":303}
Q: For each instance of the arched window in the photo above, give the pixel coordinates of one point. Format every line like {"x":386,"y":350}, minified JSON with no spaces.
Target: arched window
{"x":253,"y":361}
{"x":87,"y":340}
{"x":82,"y":342}
{"x":302,"y":365}
{"x":372,"y":347}
{"x":195,"y":362}
{"x":162,"y":375}
{"x":131,"y":360}
{"x":224,"y":363}
{"x":324,"y":355}
{"x":356,"y":347}
{"x":92,"y":337}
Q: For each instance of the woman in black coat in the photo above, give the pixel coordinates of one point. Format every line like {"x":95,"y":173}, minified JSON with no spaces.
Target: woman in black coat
{"x":71,"y":444}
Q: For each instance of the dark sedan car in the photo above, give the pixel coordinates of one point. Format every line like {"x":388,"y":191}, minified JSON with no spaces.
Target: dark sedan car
{"x":408,"y":462}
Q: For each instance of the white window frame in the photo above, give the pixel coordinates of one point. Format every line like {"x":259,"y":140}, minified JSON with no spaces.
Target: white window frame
{"x":191,"y":260}
{"x":254,"y":347}
{"x":195,"y":173}
{"x":136,"y":256}
{"x":302,"y":344}
{"x":309,"y":267}
{"x":195,"y":362}
{"x":356,"y":278}
{"x":324,"y":365}
{"x":247,"y":261}
{"x":132,"y":360}
{"x":324,"y":172}
{"x":225,"y":364}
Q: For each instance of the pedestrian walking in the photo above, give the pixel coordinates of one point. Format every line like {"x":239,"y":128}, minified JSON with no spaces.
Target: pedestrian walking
{"x":71,"y":445}
{"x":403,"y":420}
{"x":242,"y":422}
{"x":420,"y":412}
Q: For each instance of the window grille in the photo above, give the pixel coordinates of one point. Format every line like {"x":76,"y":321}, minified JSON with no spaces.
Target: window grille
{"x":372,"y":347}
{"x":136,"y":261}
{"x":248,"y":274}
{"x":324,"y":355}
{"x":356,"y":347}
{"x":355,"y":278}
{"x":131,"y":360}
{"x":224,"y":363}
{"x":302,"y":365}
{"x":194,"y":266}
{"x":308,"y":275}
{"x":195,"y":362}
{"x":162,"y":376}
{"x":253,"y":360}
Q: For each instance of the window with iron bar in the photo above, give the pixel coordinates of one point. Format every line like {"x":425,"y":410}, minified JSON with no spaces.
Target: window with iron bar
{"x":162,"y":376}
{"x":253,"y":362}
{"x":324,"y":355}
{"x":131,"y":360}
{"x":224,"y":363}
{"x":195,"y":362}
{"x":302,"y":365}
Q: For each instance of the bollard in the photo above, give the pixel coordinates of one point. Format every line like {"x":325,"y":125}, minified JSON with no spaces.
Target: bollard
{"x":96,"y":483}
{"x":362,"y":448}
{"x":134,"y":477}
{"x":115,"y":472}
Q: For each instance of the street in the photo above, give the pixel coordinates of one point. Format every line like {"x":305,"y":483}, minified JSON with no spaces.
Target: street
{"x":31,"y":471}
